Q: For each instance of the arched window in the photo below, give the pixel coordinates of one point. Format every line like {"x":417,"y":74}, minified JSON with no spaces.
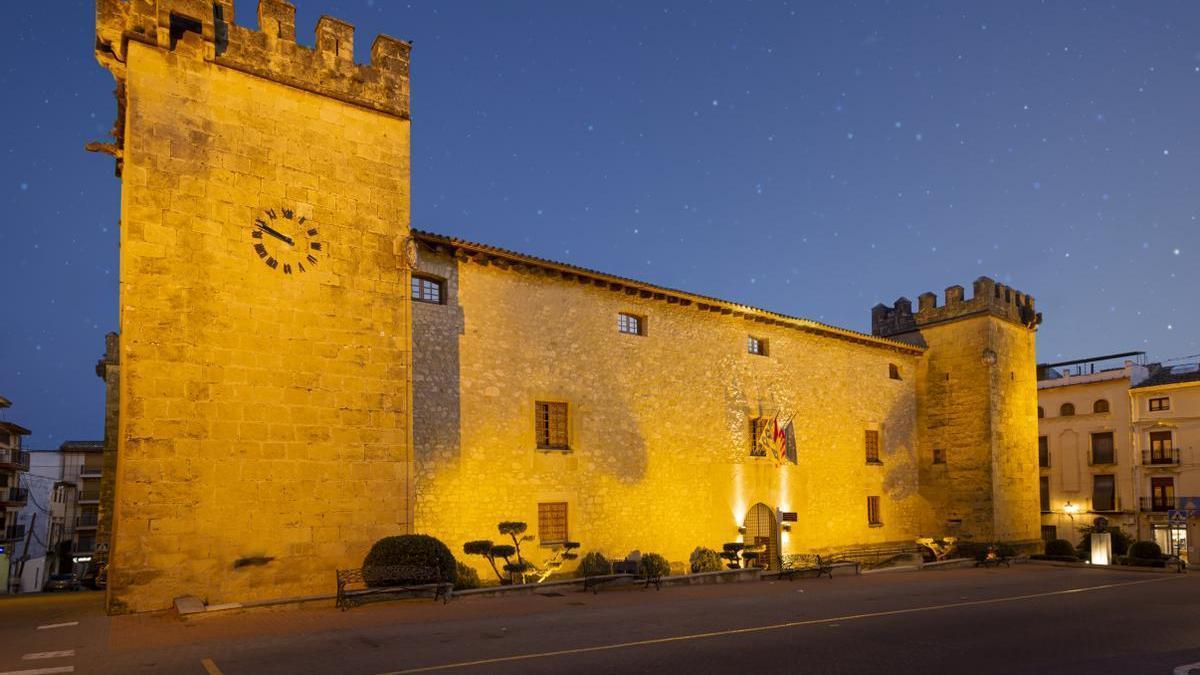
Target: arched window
{"x":1041,"y":412}
{"x":1100,"y":406}
{"x":1067,"y":410}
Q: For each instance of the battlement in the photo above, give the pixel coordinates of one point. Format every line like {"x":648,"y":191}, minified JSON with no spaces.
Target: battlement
{"x":206,"y":28}
{"x":988,"y":297}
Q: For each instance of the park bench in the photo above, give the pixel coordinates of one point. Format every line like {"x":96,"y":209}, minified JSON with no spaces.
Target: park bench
{"x":353,"y":587}
{"x":801,"y":563}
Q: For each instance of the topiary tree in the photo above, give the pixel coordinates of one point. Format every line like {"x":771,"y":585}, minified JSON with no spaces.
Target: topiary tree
{"x":1060,"y":548}
{"x":465,"y":576}
{"x":654,"y":565}
{"x":485,"y":548}
{"x":406,"y":551}
{"x":732,"y":553}
{"x":1145,"y":550}
{"x":705,"y":560}
{"x":594,"y":564}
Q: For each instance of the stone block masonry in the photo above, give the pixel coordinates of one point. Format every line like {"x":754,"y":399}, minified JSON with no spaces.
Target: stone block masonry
{"x":263,"y":436}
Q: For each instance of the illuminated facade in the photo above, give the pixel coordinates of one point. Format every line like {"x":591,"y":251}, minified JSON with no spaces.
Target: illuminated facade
{"x":300,"y":374}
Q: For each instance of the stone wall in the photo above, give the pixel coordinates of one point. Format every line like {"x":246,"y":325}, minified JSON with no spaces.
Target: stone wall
{"x":659,"y":423}
{"x":108,"y":368}
{"x":263,"y":438}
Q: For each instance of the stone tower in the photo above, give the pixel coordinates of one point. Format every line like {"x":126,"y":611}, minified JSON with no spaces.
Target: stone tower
{"x":263,"y":436}
{"x":977,"y":394}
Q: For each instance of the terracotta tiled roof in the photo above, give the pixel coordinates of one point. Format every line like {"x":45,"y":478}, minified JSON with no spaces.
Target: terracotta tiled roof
{"x":472,"y":249}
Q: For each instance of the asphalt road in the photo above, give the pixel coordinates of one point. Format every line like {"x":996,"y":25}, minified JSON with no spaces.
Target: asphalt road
{"x":1025,"y":619}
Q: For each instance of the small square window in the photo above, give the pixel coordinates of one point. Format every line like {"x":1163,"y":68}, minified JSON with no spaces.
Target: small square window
{"x":871,"y":442}
{"x":427,"y":289}
{"x":874,"y":517}
{"x":631,"y":324}
{"x":755,"y":345}
{"x":939,"y":455}
{"x":1157,"y":404}
{"x":551,"y":425}
{"x":552,"y":522}
{"x":893,"y":371}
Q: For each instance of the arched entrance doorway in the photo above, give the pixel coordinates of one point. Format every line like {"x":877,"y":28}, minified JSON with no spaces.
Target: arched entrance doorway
{"x":762,"y":530}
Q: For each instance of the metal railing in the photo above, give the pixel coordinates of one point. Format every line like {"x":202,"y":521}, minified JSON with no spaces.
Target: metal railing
{"x":1102,"y":458}
{"x":1160,"y":457}
{"x":1098,"y":507}
{"x":90,"y":471}
{"x":87,"y":520}
{"x":14,"y":495}
{"x":1158,"y":504}
{"x":14,"y":458}
{"x":89,"y":495}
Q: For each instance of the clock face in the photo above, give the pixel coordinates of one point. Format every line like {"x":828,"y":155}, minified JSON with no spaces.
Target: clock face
{"x":285,"y":241}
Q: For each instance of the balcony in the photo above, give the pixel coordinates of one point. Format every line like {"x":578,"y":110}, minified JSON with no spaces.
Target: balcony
{"x":87,"y":521}
{"x":1158,"y":504}
{"x":13,"y":496}
{"x":1101,"y":506}
{"x":14,"y":533}
{"x":1102,"y":458}
{"x":1161,"y":457}
{"x":89,"y":496}
{"x":91,"y":470}
{"x":11,"y":458}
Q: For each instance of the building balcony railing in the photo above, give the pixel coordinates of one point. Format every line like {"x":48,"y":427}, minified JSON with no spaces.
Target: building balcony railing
{"x":1159,"y":504}
{"x":11,"y":458}
{"x":87,"y":521}
{"x":1101,"y":458}
{"x":90,"y":472}
{"x":14,"y":532}
{"x":1102,"y":506}
{"x":89,"y":496}
{"x":13,"y":496}
{"x":1162,"y":457}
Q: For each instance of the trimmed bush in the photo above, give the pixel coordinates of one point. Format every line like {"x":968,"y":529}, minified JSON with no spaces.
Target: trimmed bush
{"x":705,"y":560}
{"x":1145,"y":550}
{"x":1140,"y":562}
{"x":466,"y":576}
{"x":654,"y":565}
{"x":594,"y":564}
{"x":1060,"y":547}
{"x":412,"y":550}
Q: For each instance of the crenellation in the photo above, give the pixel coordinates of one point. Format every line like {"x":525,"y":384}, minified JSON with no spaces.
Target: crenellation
{"x":270,"y":52}
{"x":989,"y":297}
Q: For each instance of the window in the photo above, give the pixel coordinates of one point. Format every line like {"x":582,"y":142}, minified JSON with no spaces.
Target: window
{"x":631,"y":324}
{"x":756,"y":345}
{"x":552,"y":522}
{"x":1067,"y":410}
{"x":1162,"y":403}
{"x":1100,"y":406}
{"x":872,"y":444}
{"x":552,"y":426}
{"x":1044,"y":493}
{"x":1043,"y":451}
{"x":893,"y":371}
{"x":1102,"y":448}
{"x":1162,"y":494}
{"x":1161,"y":451}
{"x":939,"y":456}
{"x":757,"y":425}
{"x":1049,"y":533}
{"x":1041,"y":412}
{"x":427,"y":289}
{"x":1104,"y":493}
{"x":874,"y":518}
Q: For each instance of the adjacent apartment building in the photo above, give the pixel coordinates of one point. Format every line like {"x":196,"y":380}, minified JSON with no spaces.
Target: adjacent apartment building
{"x":1115,"y":440}
{"x":14,"y":463}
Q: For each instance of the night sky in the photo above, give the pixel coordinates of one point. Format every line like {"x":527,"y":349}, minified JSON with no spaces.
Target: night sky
{"x":812,"y":160}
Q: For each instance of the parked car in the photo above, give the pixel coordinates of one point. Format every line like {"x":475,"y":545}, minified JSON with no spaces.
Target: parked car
{"x":62,"y":582}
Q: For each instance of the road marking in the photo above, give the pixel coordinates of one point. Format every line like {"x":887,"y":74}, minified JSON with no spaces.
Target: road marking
{"x":56,"y":625}
{"x":208,"y":664}
{"x":771,"y":627}
{"x":48,"y":655}
{"x":1187,"y":668}
{"x":41,"y":671}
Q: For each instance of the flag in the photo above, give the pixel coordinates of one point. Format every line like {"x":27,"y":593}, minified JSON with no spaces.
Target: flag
{"x":778,"y":440}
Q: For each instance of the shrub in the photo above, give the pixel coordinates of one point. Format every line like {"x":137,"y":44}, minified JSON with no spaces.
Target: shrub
{"x":410,"y":550}
{"x":466,"y":576}
{"x":1145,"y":550}
{"x":654,"y":565}
{"x":1140,"y":562}
{"x":594,"y":564}
{"x":705,"y":560}
{"x":1060,"y":547}
{"x":732,"y":553}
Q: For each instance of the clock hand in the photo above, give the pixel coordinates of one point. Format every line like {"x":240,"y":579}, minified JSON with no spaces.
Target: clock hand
{"x":274,"y":233}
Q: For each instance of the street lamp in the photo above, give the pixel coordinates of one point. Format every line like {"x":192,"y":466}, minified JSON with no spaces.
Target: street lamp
{"x":1071,"y":509}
